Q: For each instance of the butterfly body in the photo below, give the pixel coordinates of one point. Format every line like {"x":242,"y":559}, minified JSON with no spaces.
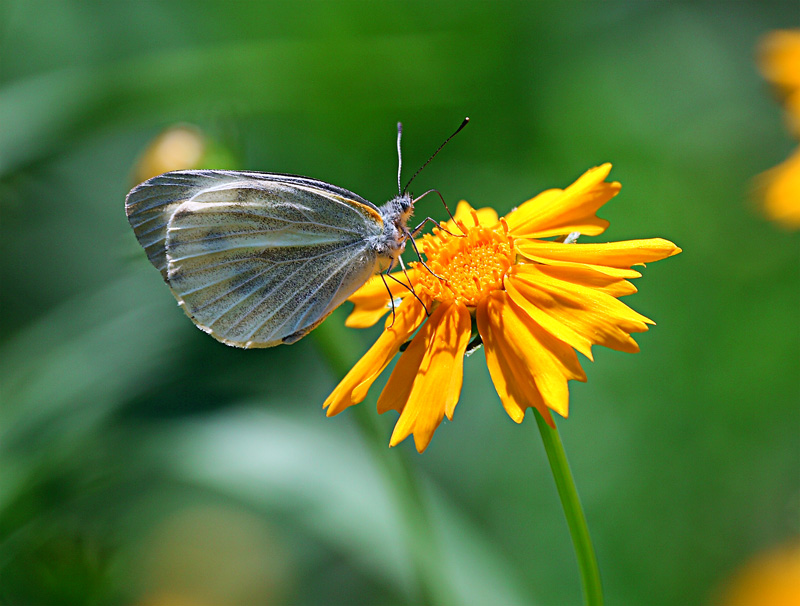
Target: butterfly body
{"x":260,"y":259}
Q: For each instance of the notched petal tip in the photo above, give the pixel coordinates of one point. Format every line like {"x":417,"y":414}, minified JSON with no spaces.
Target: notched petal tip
{"x":426,"y":382}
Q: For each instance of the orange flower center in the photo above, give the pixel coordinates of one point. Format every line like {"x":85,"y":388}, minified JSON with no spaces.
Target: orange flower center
{"x":466,"y":268}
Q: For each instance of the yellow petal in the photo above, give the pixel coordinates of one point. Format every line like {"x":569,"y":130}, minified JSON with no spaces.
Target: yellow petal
{"x":619,"y":255}
{"x":398,"y":388}
{"x":533,"y":351}
{"x":353,"y":388}
{"x":586,"y":314}
{"x":486,"y":216}
{"x":586,"y":276}
{"x":612,"y":272}
{"x":514,"y":385}
{"x":551,"y":324}
{"x":578,"y":275}
{"x":426,"y":382}
{"x":556,"y":212}
{"x":372,"y":300}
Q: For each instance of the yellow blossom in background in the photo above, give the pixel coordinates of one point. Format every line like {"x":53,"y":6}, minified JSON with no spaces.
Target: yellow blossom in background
{"x":771,"y":578}
{"x":181,"y":147}
{"x":531,"y":301}
{"x":779,"y":57}
{"x":779,"y":188}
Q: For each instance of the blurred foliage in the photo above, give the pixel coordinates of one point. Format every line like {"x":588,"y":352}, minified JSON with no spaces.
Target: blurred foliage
{"x":142,"y":462}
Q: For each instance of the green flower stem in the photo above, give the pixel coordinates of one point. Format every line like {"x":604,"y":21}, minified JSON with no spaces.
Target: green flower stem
{"x":425,"y":554}
{"x":338,"y":348}
{"x":581,"y":541}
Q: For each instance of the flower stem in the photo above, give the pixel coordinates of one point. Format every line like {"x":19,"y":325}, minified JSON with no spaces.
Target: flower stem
{"x":581,"y":541}
{"x":422,"y":545}
{"x":340,"y":351}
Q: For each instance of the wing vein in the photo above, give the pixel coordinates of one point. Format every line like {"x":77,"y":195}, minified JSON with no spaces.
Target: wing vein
{"x":309,"y":295}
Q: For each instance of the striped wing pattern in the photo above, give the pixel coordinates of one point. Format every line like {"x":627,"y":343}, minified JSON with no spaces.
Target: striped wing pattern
{"x":255,"y":259}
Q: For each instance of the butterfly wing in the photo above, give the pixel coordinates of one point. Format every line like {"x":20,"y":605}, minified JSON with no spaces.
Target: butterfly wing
{"x":255,"y":259}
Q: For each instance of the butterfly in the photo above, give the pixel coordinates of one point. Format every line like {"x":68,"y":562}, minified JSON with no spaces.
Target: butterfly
{"x":260,"y":259}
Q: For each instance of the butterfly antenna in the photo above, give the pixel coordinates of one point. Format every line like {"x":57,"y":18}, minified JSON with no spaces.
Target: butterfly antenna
{"x":399,"y":156}
{"x":458,"y":130}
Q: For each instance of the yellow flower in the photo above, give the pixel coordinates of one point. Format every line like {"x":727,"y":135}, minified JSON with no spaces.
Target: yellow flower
{"x":532,"y":302}
{"x":181,"y":147}
{"x":779,"y":188}
{"x":177,"y":148}
{"x":780,"y":64}
{"x":779,"y":191}
{"x":771,"y":578}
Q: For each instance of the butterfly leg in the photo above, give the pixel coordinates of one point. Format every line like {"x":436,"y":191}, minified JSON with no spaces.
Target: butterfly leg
{"x":419,"y":256}
{"x":449,"y":214}
{"x":414,"y":232}
{"x":391,"y":296}
{"x":409,"y":286}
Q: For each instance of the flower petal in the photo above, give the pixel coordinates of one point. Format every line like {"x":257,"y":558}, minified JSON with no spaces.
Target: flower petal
{"x":426,"y":382}
{"x":557,"y":212}
{"x":587,"y":276}
{"x":486,"y":216}
{"x":514,"y":385}
{"x":531,"y":351}
{"x":585,"y":314}
{"x":372,"y":300}
{"x":618,"y":255}
{"x":551,"y":323}
{"x":602,"y":258}
{"x":353,"y":388}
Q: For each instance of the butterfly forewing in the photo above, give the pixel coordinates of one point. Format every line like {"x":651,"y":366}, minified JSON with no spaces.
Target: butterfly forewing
{"x":255,"y":259}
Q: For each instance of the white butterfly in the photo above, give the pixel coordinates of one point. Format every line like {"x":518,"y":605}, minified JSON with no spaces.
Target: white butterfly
{"x":259,"y":259}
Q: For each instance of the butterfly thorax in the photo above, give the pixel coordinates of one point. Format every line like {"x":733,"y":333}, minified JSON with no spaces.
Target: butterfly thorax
{"x":392,"y":241}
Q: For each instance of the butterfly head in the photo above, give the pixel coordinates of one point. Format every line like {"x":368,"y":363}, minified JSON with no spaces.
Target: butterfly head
{"x":405,"y":208}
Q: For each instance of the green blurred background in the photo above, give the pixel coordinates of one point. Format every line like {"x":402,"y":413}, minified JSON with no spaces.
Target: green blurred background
{"x":142,"y":462}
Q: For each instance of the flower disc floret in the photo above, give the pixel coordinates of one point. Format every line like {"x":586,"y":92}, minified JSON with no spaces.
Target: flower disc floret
{"x":466,"y":269}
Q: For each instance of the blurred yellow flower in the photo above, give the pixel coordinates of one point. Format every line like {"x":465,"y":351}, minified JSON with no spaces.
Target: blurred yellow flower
{"x":179,"y":147}
{"x":531,"y":302}
{"x":780,"y":64}
{"x":771,"y":578}
{"x":779,"y":188}
{"x":182,"y":147}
